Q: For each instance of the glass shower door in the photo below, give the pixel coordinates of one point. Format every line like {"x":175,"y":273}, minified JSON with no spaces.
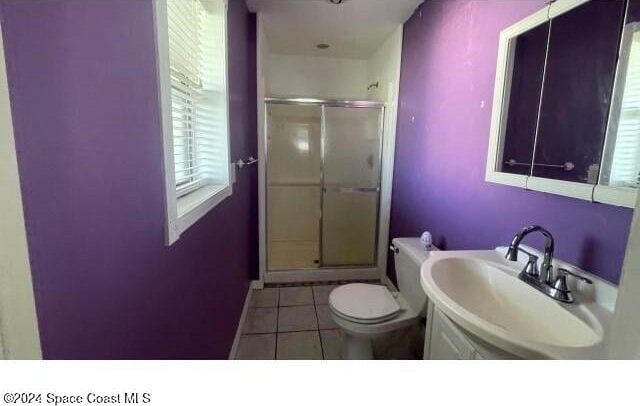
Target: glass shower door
{"x":351,"y":186}
{"x":293,"y":186}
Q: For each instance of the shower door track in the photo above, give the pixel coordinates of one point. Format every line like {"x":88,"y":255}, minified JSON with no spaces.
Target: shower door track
{"x":305,"y":101}
{"x":324,"y":273}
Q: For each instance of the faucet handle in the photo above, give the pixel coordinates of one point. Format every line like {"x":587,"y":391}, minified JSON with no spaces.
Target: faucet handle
{"x":564,"y":272}
{"x":560,"y":284}
{"x":531,"y":268}
{"x":561,"y":288}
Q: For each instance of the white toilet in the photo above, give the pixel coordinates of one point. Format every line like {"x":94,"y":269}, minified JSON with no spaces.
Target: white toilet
{"x":364,"y":311}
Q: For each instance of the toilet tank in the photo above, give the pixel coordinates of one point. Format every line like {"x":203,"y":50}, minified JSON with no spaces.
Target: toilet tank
{"x":410,"y":256}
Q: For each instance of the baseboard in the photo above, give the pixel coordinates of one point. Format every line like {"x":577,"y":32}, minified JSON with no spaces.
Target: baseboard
{"x":257,"y":284}
{"x":247,"y":300}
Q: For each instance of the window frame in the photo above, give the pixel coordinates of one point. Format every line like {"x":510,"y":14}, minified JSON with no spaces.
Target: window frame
{"x":616,"y":111}
{"x":603,"y":192}
{"x":184,"y":210}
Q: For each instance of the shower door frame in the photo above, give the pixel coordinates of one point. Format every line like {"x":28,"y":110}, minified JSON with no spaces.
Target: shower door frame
{"x":322,"y":273}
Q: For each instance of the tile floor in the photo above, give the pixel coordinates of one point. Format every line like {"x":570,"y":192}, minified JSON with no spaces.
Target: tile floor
{"x":290,"y":323}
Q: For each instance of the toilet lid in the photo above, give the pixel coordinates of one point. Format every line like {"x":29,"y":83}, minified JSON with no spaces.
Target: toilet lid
{"x":361,"y":301}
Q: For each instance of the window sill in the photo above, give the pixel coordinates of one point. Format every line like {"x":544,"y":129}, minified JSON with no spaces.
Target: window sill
{"x":195,"y":205}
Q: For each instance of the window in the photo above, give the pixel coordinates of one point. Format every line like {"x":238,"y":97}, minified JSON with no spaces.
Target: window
{"x":625,"y":165}
{"x":192,"y":69}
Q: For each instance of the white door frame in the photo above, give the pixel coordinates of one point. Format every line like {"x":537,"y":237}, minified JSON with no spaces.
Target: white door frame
{"x":624,"y":337}
{"x":333,"y":273}
{"x":19,"y":336}
{"x":261,"y":54}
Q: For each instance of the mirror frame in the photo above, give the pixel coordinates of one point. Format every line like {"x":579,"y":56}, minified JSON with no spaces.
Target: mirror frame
{"x":619,"y":196}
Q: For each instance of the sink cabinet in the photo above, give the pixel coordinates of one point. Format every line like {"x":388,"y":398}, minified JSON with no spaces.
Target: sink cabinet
{"x":446,"y":341}
{"x":480,"y":309}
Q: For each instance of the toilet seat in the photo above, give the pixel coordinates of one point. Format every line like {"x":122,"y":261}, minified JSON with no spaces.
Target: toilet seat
{"x":364,"y":303}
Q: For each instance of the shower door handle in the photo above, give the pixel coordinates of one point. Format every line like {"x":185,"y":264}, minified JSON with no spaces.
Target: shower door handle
{"x":359,"y":189}
{"x":351,"y":189}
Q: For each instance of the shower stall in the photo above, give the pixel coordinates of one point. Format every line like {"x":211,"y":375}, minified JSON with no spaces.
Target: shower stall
{"x":323,"y":173}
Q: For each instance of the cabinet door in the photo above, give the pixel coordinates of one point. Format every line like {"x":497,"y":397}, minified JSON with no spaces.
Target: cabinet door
{"x":524,"y":100}
{"x":581,"y":65}
{"x":447,"y":342}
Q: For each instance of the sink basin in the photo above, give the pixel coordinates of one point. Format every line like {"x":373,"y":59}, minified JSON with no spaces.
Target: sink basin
{"x":481,"y":292}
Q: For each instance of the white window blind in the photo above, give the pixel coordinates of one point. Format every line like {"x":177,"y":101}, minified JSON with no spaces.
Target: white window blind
{"x":625,"y":166}
{"x":197,"y":52}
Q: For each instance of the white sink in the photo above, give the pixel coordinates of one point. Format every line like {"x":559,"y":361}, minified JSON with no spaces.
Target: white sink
{"x":480,"y":291}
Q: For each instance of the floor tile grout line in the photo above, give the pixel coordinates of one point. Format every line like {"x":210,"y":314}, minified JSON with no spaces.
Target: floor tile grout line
{"x":275,"y":352}
{"x":315,"y":309}
{"x":298,"y":331}
{"x":299,"y":305}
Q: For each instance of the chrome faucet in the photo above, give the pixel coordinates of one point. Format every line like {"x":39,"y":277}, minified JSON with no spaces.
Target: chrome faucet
{"x":514,"y":247}
{"x":542,"y":281}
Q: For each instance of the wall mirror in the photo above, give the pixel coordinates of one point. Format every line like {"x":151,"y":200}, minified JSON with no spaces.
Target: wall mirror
{"x":566,"y":113}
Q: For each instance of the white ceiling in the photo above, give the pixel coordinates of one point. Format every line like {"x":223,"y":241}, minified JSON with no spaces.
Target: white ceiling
{"x":354,"y":29}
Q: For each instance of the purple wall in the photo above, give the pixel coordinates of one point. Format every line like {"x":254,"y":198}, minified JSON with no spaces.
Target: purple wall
{"x":446,"y":90}
{"x":87,"y":126}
